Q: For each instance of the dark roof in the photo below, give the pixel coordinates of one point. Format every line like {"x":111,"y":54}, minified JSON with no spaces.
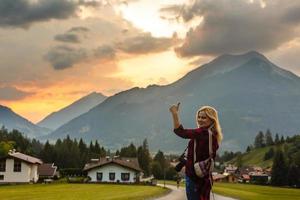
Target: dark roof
{"x":131,"y":163}
{"x":47,"y":169}
{"x":25,"y":158}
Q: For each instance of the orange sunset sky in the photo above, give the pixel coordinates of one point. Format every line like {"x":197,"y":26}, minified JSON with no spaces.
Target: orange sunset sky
{"x":55,"y":52}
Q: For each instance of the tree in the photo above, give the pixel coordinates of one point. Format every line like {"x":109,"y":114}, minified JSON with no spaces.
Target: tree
{"x":248,"y":149}
{"x":144,"y":158}
{"x":156,"y":169}
{"x":5,"y":147}
{"x":269,"y":139}
{"x":282,"y":139}
{"x":36,"y":147}
{"x":293,"y":176}
{"x":171,"y":173}
{"x":277,"y":139}
{"x":97,"y":148}
{"x":129,"y":151}
{"x":269,"y":154}
{"x":279,"y":169}
{"x":160,"y":158}
{"x":239,"y":161}
{"x":259,"y":140}
{"x":83,"y":152}
{"x":48,"y":153}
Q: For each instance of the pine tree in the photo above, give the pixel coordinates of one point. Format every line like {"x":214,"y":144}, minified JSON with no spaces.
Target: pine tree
{"x":248,"y":149}
{"x":259,"y":140}
{"x":157,"y":171}
{"x":47,"y":154}
{"x":97,"y":148}
{"x":83,"y":153}
{"x":160,"y":158}
{"x":269,"y":139}
{"x":282,"y":140}
{"x":293,"y":176}
{"x":269,"y":154}
{"x":239,"y":162}
{"x":277,"y":139}
{"x":279,"y":169}
{"x":144,"y":158}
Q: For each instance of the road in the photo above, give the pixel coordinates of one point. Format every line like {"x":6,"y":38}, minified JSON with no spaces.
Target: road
{"x":179,"y":194}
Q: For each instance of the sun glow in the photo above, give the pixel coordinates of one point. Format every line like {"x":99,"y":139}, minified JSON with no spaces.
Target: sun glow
{"x":145,"y":15}
{"x":160,"y":68}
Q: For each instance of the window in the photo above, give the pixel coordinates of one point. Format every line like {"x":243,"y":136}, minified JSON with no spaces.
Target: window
{"x":112,"y":176}
{"x":2,"y":165}
{"x":99,"y":176}
{"x":17,"y":166}
{"x":1,"y":177}
{"x":125,"y":176}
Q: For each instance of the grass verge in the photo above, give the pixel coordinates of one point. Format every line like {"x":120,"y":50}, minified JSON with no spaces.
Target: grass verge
{"x":80,"y":191}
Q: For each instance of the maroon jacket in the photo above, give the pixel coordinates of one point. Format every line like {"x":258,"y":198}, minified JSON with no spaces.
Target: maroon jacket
{"x":202,"y":153}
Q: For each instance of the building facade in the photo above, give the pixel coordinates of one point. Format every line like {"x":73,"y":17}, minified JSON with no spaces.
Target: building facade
{"x":115,"y":170}
{"x":19,"y":168}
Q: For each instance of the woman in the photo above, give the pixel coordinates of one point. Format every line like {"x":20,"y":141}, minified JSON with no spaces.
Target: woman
{"x":206,"y":118}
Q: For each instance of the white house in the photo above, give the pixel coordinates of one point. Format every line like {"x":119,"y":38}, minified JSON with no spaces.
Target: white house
{"x":117,"y":170}
{"x":19,"y":168}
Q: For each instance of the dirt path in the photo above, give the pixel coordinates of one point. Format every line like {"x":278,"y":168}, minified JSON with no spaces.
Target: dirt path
{"x":179,"y":194}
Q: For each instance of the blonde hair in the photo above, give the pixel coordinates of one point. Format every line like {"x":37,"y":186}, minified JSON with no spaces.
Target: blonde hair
{"x":213,"y":115}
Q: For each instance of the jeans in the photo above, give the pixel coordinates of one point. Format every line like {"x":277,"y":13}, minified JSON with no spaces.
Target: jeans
{"x":191,"y":189}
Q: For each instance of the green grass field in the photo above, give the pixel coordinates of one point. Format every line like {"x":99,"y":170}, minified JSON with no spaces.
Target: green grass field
{"x":251,"y":192}
{"x":256,"y":192}
{"x":79,"y":191}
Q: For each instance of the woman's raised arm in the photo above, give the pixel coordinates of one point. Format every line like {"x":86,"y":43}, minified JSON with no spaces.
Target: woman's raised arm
{"x":174,"y":110}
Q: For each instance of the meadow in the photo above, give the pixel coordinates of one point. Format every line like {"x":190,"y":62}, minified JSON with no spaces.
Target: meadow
{"x":66,"y":191}
{"x":256,"y":192}
{"x":251,"y":192}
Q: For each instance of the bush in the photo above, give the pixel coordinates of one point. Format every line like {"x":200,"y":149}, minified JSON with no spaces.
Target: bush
{"x":72,"y":172}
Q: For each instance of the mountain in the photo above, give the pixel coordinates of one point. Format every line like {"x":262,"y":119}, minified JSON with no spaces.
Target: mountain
{"x":11,"y":120}
{"x":56,"y":119}
{"x":249,"y":92}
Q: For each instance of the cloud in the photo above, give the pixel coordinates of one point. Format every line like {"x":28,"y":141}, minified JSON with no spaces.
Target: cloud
{"x":22,"y":13}
{"x":79,"y":29}
{"x":67,"y":37}
{"x":62,"y":57}
{"x":105,"y":52}
{"x":144,"y":43}
{"x":292,"y":15}
{"x":72,"y":35}
{"x":12,"y":94}
{"x":231,"y":26}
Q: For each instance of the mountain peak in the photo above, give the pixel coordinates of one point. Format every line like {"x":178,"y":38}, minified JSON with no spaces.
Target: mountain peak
{"x":4,"y":108}
{"x":229,"y":62}
{"x":245,"y":56}
{"x":96,"y":94}
{"x":253,"y":54}
{"x":80,"y":106}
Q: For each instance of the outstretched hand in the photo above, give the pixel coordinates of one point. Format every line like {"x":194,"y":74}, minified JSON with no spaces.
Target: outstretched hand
{"x":174,"y":108}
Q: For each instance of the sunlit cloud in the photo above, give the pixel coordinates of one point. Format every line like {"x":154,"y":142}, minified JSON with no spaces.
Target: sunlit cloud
{"x":12,"y":94}
{"x":230,"y":26}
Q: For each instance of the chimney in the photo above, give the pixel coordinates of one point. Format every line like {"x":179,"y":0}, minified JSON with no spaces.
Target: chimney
{"x":107,"y":158}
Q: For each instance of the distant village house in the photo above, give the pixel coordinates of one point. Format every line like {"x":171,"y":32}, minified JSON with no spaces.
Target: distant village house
{"x":113,"y":170}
